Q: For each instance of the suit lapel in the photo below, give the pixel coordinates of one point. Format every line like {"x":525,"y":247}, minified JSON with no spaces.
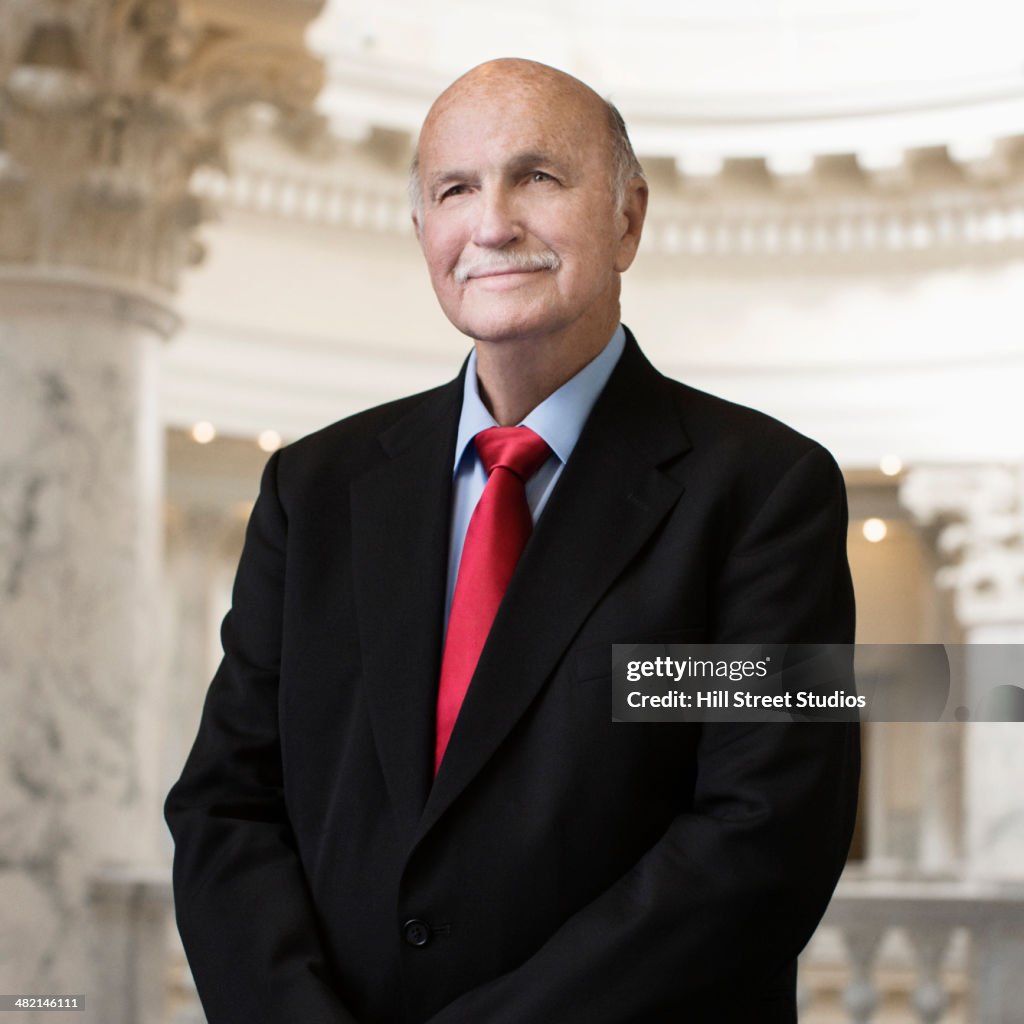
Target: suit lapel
{"x":401,"y":513}
{"x":612,"y":494}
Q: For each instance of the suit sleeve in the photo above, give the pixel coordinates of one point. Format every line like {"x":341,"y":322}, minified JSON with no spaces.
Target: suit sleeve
{"x":722,"y":904}
{"x":243,"y":908}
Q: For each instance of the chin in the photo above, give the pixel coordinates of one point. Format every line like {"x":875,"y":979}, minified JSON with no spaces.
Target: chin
{"x":506,"y":325}
{"x":504,"y":331}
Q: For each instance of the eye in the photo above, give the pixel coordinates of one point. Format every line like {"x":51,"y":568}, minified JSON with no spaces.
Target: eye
{"x":452,"y":190}
{"x":539,"y":176}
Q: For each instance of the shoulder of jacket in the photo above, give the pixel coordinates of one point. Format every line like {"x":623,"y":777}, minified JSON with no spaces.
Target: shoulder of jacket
{"x":353,"y":443}
{"x":721,"y":427}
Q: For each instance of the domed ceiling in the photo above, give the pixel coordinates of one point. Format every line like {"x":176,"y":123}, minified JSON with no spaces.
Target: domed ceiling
{"x":700,"y":82}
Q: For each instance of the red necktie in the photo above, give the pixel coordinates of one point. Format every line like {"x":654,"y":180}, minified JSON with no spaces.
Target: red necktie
{"x":498,"y":531}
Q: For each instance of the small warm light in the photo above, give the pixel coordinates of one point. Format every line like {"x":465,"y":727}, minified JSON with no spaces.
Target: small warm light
{"x":874,"y":530}
{"x":891,"y":465}
{"x":269,"y":440}
{"x":203,"y":432}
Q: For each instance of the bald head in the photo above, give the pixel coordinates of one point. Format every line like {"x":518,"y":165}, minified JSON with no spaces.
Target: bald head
{"x":527,"y":81}
{"x":517,"y":212}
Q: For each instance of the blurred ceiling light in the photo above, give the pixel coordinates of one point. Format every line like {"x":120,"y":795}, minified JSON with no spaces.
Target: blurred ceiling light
{"x":874,"y":530}
{"x":203,"y":432}
{"x":891,"y":465}
{"x":269,"y":440}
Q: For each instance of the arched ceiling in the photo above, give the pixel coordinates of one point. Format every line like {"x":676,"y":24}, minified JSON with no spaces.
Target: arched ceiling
{"x":836,"y":232}
{"x":702,"y":82}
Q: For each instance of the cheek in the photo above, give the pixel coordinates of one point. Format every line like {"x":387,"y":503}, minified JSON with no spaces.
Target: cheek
{"x":441,"y":258}
{"x":442,"y":245}
{"x":586,"y":269}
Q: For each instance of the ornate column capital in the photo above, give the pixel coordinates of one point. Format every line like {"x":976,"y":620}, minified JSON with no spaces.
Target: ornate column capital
{"x":978,"y":512}
{"x":108,"y":106}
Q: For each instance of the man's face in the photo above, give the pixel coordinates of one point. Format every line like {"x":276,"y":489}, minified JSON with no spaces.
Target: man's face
{"x":518,"y":222}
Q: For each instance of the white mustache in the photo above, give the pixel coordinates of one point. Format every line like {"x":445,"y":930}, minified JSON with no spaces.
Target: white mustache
{"x":499,"y":261}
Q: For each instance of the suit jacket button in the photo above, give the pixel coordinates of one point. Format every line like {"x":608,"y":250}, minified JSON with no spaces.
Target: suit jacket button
{"x":415,"y":932}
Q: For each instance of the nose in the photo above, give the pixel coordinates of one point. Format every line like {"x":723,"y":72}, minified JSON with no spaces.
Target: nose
{"x":497,"y":224}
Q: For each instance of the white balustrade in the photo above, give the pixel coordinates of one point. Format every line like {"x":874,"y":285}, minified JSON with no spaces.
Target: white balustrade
{"x":901,"y":951}
{"x":860,"y":996}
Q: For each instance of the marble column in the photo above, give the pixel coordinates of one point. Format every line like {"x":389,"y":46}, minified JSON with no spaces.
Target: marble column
{"x":81,"y":478}
{"x":978,"y":517}
{"x":107,"y":107}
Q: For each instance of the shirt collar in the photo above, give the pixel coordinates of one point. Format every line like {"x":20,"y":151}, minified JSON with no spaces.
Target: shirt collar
{"x":559,"y":418}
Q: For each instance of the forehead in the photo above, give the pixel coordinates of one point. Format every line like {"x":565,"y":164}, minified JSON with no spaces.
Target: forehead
{"x":495,"y":121}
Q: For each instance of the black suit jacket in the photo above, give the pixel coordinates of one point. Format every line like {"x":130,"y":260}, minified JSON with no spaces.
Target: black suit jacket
{"x":562,"y":868}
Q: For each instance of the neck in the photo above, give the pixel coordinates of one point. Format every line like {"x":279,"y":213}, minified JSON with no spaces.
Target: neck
{"x":516,"y":375}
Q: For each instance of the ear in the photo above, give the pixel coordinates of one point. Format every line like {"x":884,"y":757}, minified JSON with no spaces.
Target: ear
{"x":416,"y":226}
{"x":630,"y":220}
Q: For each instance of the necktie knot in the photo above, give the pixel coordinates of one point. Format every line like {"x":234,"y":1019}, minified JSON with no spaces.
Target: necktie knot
{"x":517,"y":449}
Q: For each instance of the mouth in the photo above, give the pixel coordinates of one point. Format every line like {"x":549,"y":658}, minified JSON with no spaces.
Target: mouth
{"x":502,"y":280}
{"x":504,"y":272}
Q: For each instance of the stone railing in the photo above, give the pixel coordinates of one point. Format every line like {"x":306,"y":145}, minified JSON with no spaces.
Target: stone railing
{"x":141,"y":973}
{"x":132,"y":916}
{"x":916,"y":951}
{"x":888,"y":952}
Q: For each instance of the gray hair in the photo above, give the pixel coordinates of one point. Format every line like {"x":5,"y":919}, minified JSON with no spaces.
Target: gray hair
{"x":624,"y":163}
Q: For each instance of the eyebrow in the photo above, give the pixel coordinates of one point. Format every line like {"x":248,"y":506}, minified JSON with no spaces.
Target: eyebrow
{"x":443,"y":177}
{"x":525,"y":161}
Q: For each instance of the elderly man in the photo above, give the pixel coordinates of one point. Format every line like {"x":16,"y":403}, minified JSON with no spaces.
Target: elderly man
{"x":407,"y":800}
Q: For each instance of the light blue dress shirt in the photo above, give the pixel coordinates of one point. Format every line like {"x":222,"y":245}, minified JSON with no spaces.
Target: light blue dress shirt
{"x":558,"y":419}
